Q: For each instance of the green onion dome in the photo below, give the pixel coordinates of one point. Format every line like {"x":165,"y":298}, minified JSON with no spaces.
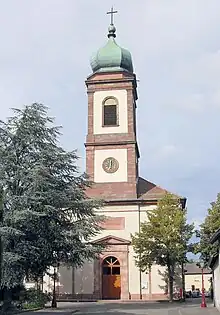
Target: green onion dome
{"x":111,"y":57}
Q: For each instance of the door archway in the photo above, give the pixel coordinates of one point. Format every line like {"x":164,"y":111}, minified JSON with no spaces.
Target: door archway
{"x":111,"y":278}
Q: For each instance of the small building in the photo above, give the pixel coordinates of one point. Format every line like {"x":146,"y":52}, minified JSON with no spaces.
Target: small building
{"x":214,"y":265}
{"x":193,"y":277}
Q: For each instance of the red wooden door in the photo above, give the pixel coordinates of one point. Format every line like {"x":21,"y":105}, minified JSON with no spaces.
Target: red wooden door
{"x":111,"y":279}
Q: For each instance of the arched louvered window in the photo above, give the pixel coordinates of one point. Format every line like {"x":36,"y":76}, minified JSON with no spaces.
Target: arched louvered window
{"x":110,"y":111}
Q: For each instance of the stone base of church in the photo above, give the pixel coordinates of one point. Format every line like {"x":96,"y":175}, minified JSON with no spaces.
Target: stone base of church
{"x":92,"y":283}
{"x":149,"y":297}
{"x":93,"y":297}
{"x":77,"y":297}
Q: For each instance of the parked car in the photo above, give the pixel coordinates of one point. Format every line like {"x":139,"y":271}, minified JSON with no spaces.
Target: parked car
{"x":195,"y":293}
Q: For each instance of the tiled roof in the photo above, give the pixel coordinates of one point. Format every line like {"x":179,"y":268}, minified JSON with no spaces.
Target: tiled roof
{"x":150,"y":191}
{"x":146,"y":191}
{"x":192,"y":268}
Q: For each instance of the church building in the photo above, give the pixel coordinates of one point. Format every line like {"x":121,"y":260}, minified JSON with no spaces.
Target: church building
{"x":112,"y":162}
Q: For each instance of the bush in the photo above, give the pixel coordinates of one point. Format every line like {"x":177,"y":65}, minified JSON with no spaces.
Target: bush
{"x":35,"y":297}
{"x":25,"y":298}
{"x":15,"y":293}
{"x":30,"y":306}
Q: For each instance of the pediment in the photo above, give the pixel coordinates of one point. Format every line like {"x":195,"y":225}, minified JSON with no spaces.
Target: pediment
{"x":112,"y":240}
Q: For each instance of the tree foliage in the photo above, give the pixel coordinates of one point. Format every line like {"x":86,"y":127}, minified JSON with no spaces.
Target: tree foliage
{"x":210,"y":225}
{"x":164,"y":237}
{"x":47,"y":217}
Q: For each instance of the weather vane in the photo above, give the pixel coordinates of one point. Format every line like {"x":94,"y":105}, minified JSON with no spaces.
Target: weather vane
{"x":112,"y":12}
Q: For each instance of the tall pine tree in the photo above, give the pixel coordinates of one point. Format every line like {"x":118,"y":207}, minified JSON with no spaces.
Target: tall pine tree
{"x":47,"y":217}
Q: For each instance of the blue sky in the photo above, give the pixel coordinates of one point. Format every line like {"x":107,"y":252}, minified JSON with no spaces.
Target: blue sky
{"x":175,"y":45}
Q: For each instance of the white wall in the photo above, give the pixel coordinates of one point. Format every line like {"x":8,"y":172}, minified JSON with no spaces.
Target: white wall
{"x":196,"y":280}
{"x":216,"y":284}
{"x":99,"y":96}
{"x":157,"y":279}
{"x":131,"y":225}
{"x":131,"y":215}
{"x":64,"y":283}
{"x":65,"y":280}
{"x":134,"y":275}
{"x":29,"y":285}
{"x":84,"y":279}
{"x":48,"y":281}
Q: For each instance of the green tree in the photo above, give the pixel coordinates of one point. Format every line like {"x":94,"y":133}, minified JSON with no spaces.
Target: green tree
{"x":47,"y":218}
{"x":210,"y":225}
{"x":163,"y":238}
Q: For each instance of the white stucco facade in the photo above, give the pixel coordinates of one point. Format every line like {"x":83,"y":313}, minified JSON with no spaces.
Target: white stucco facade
{"x":84,"y":279}
{"x":196,"y":281}
{"x":80,"y":283}
{"x":216,"y":283}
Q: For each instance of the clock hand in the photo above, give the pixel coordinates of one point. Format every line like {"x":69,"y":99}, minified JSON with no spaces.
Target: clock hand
{"x":110,"y":163}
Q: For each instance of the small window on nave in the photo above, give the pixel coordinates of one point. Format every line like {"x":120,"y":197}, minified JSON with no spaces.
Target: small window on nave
{"x":110,"y":112}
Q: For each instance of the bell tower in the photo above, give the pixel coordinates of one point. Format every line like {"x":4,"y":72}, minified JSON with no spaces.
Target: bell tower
{"x":111,"y":144}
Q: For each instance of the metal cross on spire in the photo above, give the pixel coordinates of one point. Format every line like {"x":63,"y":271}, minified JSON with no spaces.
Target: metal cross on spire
{"x":112,"y":12}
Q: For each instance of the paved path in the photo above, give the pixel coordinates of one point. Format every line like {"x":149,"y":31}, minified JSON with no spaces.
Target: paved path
{"x":138,"y":308}
{"x":146,"y":309}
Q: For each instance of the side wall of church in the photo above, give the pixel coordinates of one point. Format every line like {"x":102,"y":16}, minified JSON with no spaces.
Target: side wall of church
{"x":65,"y":281}
{"x":84,"y":279}
{"x":158,"y":282}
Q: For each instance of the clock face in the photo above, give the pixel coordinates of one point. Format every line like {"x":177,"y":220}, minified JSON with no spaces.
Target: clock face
{"x":110,"y":165}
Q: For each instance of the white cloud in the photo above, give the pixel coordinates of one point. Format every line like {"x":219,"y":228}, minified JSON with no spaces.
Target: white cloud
{"x":197,"y":222}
